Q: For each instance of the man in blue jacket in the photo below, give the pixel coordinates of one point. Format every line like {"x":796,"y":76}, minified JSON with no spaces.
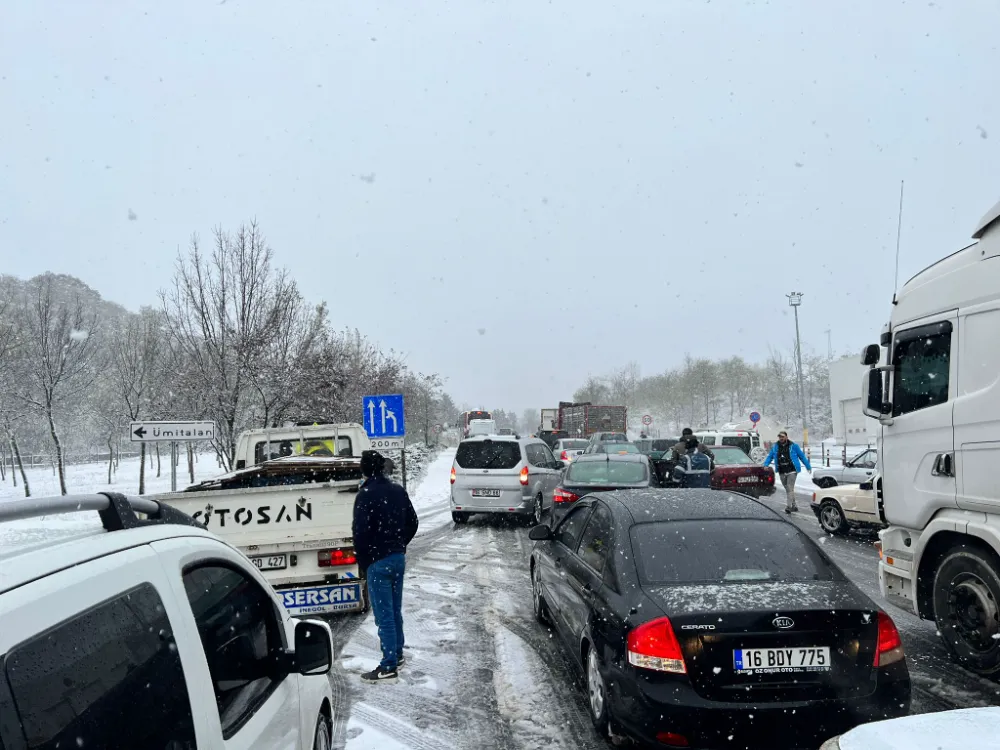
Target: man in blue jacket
{"x":788,"y":459}
{"x":384,"y":523}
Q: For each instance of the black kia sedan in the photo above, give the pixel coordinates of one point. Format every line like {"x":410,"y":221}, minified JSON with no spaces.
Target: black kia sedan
{"x":702,"y":619}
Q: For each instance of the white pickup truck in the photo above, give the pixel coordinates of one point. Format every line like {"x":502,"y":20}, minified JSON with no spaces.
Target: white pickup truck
{"x":292,"y":517}
{"x":254,"y":447}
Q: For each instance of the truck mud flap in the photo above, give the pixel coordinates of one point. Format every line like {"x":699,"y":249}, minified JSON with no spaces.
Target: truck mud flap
{"x":325,"y":599}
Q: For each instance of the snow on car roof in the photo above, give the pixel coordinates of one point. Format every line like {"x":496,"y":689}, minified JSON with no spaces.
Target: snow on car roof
{"x":667,"y":504}
{"x":960,"y":729}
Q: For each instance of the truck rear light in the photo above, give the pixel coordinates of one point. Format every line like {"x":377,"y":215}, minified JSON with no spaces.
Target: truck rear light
{"x":653,"y":645}
{"x":331,"y":558}
{"x":559,"y":495}
{"x":524,"y":476}
{"x":453,"y":475}
{"x":890,"y":645}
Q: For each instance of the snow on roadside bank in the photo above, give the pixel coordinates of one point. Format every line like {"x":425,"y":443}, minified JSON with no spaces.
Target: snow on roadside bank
{"x":432,"y":497}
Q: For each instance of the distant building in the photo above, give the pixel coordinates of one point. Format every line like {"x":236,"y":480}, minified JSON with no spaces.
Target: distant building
{"x":850,"y":425}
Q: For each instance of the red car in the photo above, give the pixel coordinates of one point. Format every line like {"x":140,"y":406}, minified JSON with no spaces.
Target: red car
{"x":735,"y":470}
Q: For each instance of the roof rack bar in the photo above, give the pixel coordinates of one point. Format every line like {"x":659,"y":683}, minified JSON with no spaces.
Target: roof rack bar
{"x":116,"y":510}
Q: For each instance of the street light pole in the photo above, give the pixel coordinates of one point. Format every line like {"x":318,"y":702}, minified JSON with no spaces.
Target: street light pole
{"x":794,"y":301}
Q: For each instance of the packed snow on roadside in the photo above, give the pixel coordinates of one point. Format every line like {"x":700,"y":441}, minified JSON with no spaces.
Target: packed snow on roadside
{"x":961,"y":729}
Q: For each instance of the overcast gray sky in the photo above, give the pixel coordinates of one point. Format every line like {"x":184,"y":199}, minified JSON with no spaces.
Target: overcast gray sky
{"x":514,"y":194}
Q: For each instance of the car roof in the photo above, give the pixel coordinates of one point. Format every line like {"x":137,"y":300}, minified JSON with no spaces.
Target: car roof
{"x":46,"y":548}
{"x":627,"y":457}
{"x":669,"y":504}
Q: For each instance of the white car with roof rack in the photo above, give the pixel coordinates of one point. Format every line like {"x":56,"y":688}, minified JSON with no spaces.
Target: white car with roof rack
{"x":150,"y":632}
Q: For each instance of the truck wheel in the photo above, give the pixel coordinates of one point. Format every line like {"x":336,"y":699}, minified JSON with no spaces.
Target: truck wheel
{"x":459,"y":517}
{"x":967,"y":608}
{"x":832,"y":518}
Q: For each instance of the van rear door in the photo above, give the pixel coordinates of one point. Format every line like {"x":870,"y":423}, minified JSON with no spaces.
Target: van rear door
{"x":918,"y":464}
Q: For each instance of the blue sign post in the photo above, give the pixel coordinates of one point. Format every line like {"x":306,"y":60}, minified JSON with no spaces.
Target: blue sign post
{"x":384,"y":419}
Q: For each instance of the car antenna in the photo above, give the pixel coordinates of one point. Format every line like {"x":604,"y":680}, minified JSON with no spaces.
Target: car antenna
{"x":899,"y":231}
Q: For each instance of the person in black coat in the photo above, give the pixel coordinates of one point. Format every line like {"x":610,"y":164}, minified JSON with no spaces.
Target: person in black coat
{"x":384,"y":524}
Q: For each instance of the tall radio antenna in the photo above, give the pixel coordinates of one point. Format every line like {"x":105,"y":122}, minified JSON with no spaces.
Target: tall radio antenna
{"x":899,"y":231}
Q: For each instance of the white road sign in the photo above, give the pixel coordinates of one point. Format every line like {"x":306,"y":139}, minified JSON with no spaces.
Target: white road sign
{"x":170,"y":432}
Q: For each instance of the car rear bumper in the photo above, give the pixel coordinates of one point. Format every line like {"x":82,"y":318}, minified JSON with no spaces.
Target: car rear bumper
{"x":518,"y":504}
{"x":643,"y":710}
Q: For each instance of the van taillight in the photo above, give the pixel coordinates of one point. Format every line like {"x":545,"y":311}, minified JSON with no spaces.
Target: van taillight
{"x":524,"y":476}
{"x":330,"y":558}
{"x":653,"y":645}
{"x":564,"y":456}
{"x":453,"y":475}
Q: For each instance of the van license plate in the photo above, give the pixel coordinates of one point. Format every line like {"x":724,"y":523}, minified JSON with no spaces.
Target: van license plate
{"x":778,"y":660}
{"x":486,"y":493}
{"x":270,"y":562}
{"x":747,"y":480}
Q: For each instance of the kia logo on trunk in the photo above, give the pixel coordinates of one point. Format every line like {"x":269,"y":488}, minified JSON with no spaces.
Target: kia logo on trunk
{"x":783,"y":622}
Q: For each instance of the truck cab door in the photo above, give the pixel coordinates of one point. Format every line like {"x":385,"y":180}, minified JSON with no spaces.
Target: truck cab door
{"x":977,"y":409}
{"x":918,"y":443}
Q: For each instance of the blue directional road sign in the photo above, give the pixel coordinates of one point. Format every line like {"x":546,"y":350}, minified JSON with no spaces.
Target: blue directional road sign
{"x":385,"y":420}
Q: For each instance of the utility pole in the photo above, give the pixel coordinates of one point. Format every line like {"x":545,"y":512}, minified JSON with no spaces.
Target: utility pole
{"x":794,"y":301}
{"x":829,"y":344}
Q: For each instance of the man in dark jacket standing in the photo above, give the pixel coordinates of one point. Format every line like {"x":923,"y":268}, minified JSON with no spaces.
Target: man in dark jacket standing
{"x":682,"y":447}
{"x":384,"y":523}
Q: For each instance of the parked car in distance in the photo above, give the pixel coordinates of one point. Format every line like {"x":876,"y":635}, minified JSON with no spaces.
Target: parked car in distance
{"x":842,"y":508}
{"x":859,"y":469}
{"x":151,"y":632}
{"x":567,"y":449}
{"x":503,"y":475}
{"x":703,"y":619}
{"x":736,"y":471}
{"x":612,"y":448}
{"x":600,"y":473}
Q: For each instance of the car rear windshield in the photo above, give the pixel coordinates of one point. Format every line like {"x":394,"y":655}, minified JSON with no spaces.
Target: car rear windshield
{"x":615,"y":447}
{"x":574,"y":445}
{"x":606,"y":473}
{"x":727,"y":550}
{"x":743,"y":443}
{"x":488,"y":454}
{"x":663,"y":445}
{"x":728,"y":456}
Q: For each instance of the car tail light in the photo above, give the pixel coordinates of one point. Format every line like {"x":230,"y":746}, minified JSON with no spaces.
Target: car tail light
{"x":331,"y":558}
{"x":814,"y":497}
{"x":453,"y":475}
{"x":564,"y":456}
{"x":890,"y":646}
{"x":524,"y":476}
{"x":559,"y":495}
{"x":653,"y":645}
{"x":672,"y":739}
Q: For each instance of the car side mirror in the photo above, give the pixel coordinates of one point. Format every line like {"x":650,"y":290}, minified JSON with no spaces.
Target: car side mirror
{"x":870,"y":355}
{"x":540,"y":533}
{"x":557,"y":465}
{"x":313,"y":647}
{"x":866,"y":486}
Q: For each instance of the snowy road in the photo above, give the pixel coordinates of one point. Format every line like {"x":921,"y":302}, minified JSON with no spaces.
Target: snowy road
{"x":481,"y":672}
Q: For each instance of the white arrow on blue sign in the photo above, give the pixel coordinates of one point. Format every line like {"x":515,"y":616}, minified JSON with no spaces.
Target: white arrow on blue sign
{"x":384,"y":417}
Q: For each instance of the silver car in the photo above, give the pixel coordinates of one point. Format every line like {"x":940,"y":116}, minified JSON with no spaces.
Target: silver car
{"x":857,"y":470}
{"x":500,"y":474}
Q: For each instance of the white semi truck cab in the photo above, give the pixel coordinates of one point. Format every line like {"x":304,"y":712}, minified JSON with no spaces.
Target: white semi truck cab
{"x":937,"y":398}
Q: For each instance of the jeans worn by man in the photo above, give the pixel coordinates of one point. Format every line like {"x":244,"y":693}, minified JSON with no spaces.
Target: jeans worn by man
{"x":384,"y":523}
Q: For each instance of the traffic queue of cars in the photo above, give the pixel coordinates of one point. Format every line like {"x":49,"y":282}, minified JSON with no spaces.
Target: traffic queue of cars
{"x":697,"y":618}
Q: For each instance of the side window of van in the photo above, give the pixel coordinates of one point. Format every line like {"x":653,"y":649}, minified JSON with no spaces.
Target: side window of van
{"x":921,"y":360}
{"x":109,"y":677}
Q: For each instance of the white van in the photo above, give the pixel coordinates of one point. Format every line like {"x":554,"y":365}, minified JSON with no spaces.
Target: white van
{"x":482,"y":427}
{"x":937,"y":401}
{"x":747,"y":441}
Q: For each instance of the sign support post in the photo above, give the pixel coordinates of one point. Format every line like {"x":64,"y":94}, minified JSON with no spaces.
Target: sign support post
{"x":173,"y":467}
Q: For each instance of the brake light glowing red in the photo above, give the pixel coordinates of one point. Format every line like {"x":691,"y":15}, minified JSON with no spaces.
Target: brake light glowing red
{"x":564,"y":456}
{"x":453,"y":475}
{"x":672,"y":739}
{"x":890,"y":645}
{"x":559,"y":495}
{"x":331,"y":558}
{"x":524,"y":476}
{"x":653,"y":645}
